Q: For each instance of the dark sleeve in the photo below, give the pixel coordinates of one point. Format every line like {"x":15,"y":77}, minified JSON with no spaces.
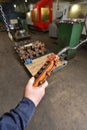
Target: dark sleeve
{"x":18,"y":118}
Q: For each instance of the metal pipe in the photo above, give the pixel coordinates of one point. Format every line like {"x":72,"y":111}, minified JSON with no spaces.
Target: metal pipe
{"x":71,"y":48}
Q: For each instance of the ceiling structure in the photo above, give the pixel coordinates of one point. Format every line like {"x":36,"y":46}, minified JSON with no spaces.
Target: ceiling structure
{"x":34,"y":1}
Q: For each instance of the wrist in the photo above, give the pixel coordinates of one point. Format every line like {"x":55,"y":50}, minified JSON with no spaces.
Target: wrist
{"x":29,"y":100}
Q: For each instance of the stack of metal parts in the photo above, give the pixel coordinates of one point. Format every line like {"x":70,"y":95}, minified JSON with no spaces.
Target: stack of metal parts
{"x":30,"y":50}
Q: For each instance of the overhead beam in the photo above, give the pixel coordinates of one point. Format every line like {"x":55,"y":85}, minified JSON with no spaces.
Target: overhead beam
{"x":4,"y":1}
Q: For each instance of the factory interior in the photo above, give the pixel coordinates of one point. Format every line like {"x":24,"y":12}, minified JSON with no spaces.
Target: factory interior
{"x":31,"y":32}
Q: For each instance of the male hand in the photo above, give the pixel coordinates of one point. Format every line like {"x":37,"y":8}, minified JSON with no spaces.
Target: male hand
{"x":35,"y":93}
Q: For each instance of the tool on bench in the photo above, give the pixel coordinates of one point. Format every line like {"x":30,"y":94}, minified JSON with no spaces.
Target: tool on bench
{"x":30,"y":51}
{"x":52,"y":63}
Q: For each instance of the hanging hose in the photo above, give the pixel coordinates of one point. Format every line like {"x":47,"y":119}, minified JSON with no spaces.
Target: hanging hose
{"x":71,"y":48}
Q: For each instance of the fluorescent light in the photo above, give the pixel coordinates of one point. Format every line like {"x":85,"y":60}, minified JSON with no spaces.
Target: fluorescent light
{"x":15,"y":6}
{"x":75,"y":8}
{"x":25,"y":0}
{"x":28,"y":14}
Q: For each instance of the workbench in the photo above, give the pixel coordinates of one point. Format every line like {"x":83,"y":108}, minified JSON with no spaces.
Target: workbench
{"x":34,"y":64}
{"x":37,"y":63}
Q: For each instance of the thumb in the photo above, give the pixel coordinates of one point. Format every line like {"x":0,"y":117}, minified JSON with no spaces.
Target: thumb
{"x":31,"y":81}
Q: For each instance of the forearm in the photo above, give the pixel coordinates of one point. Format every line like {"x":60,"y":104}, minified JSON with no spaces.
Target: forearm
{"x":18,"y":118}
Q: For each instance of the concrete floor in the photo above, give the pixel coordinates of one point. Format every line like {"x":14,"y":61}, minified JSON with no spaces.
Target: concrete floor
{"x":64,"y":106}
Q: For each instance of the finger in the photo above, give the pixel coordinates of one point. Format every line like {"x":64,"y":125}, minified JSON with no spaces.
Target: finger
{"x":45,"y":84}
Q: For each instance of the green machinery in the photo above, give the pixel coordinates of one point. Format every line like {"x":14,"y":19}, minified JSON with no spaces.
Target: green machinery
{"x":69,"y":33}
